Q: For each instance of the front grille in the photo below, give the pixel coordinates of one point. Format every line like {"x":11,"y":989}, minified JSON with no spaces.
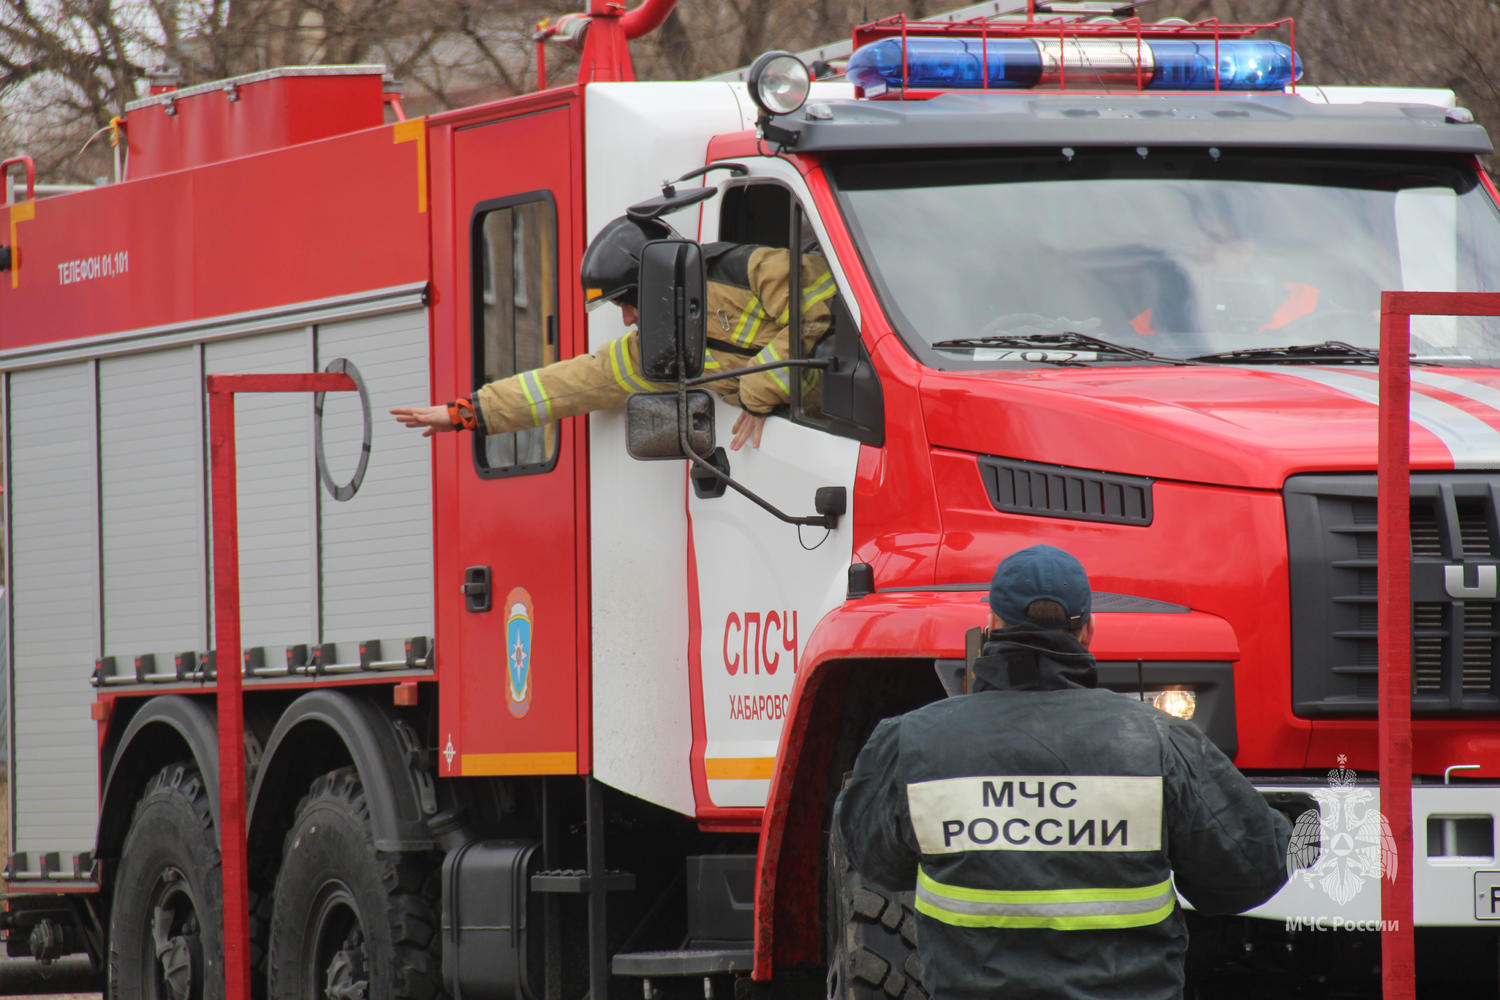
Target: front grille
{"x":1335,"y":575}
{"x":1474,"y":527}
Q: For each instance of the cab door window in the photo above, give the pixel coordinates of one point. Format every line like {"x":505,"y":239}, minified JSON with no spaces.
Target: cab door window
{"x":514,"y":295}
{"x":766,"y":214}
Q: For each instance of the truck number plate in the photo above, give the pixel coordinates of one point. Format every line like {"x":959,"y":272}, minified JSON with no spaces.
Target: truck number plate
{"x":1487,"y":895}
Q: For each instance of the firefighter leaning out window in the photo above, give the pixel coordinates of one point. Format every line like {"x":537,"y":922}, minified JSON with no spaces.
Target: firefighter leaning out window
{"x":1048,"y":826}
{"x":748,"y":308}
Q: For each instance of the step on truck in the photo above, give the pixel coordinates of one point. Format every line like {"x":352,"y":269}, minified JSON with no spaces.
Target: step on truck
{"x":525,"y":716}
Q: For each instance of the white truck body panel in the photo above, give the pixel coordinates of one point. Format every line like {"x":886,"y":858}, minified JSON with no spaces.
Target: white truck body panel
{"x":55,"y":594}
{"x":642,"y":707}
{"x":108,"y":497}
{"x":1436,"y":96}
{"x":762,"y":588}
{"x":377,"y":556}
{"x":635,"y":136}
{"x":153,"y":508}
{"x":273,"y":442}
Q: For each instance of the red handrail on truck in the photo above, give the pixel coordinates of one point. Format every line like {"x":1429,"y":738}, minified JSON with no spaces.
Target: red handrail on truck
{"x":231,"y":706}
{"x":1397,"y":955}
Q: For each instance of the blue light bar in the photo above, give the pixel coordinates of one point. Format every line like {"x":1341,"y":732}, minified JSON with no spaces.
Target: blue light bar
{"x":1244,"y":64}
{"x":1164,"y":64}
{"x":946,"y":63}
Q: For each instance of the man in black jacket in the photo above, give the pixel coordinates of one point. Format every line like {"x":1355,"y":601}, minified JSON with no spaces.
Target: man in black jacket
{"x":1048,"y":826}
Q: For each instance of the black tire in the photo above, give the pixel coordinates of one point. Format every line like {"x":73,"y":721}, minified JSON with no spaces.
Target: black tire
{"x":349,"y":922}
{"x":872,"y":939}
{"x":166,"y":937}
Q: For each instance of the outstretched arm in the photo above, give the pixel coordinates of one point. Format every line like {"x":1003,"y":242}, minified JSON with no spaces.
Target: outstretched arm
{"x":540,"y":395}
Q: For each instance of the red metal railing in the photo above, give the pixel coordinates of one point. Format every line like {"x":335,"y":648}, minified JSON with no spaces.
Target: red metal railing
{"x":28,"y":166}
{"x":228,"y":656}
{"x":1393,"y":534}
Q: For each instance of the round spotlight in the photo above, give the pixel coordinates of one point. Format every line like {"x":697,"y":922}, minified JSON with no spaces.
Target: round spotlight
{"x":779,"y":82}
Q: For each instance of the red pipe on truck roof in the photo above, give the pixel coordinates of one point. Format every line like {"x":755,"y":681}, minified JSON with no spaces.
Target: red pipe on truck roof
{"x":605,"y":54}
{"x":646,"y":18}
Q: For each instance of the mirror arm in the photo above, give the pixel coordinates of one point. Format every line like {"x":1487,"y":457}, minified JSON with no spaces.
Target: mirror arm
{"x":669,"y":188}
{"x":829,"y":521}
{"x":752,"y":369}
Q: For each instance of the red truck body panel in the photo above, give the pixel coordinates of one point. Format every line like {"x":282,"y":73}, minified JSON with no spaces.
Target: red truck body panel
{"x":236,"y":236}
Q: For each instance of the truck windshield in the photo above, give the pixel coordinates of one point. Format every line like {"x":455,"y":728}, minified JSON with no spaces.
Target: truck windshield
{"x":1174,"y":254}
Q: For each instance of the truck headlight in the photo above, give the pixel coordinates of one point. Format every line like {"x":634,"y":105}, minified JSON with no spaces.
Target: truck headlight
{"x":1175,"y":701}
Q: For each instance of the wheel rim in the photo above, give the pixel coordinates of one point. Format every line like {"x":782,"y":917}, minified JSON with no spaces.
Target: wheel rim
{"x":338,"y":968}
{"x":175,"y":948}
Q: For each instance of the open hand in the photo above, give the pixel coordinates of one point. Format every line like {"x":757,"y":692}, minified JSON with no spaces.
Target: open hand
{"x":434,"y":418}
{"x":747,"y":427}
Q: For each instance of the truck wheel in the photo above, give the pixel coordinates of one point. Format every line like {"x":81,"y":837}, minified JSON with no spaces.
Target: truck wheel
{"x":872,"y":936}
{"x":349,"y":922}
{"x":166,"y":938}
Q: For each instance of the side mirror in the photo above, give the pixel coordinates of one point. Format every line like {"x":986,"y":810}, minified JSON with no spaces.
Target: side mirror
{"x":672,"y":304}
{"x":653,"y":427}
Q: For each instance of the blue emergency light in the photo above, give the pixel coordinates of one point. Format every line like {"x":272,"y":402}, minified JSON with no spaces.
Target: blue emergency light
{"x":1021,"y":63}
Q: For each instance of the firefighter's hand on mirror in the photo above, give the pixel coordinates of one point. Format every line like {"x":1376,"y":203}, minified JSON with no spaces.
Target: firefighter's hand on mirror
{"x":434,"y":418}
{"x":747,"y":427}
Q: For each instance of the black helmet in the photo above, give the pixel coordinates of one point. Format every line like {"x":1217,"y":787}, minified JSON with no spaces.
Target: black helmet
{"x":611,"y":266}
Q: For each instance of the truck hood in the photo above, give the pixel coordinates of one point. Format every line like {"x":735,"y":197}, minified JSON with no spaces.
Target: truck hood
{"x":1248,"y":426}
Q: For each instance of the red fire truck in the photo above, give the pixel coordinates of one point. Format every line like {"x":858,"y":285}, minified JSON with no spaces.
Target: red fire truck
{"x":524,"y":716}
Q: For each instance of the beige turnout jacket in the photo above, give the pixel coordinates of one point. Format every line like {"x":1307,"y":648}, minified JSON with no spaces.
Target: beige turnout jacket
{"x":748,"y":315}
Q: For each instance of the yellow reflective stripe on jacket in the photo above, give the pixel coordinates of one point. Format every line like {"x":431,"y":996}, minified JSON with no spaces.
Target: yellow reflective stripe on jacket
{"x":748,"y":325}
{"x":536,"y":398}
{"x":1054,"y":909}
{"x":625,"y":373}
{"x":822,"y":289}
{"x":769,"y":355}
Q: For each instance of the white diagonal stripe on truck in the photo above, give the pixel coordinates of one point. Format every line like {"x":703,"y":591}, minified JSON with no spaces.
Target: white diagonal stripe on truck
{"x":1473,"y":443}
{"x":1488,"y":395}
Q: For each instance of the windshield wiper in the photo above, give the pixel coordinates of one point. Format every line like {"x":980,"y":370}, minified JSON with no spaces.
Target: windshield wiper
{"x":1069,"y":341}
{"x":1329,"y":352}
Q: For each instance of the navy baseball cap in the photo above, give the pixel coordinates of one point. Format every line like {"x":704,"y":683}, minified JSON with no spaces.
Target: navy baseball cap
{"x":1040,"y":573}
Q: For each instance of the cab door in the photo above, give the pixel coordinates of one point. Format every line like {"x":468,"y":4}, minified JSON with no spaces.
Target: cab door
{"x":760,"y":585}
{"x":509,"y":563}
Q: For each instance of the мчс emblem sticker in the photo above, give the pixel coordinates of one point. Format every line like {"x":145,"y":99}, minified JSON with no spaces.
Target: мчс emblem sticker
{"x":518,"y":651}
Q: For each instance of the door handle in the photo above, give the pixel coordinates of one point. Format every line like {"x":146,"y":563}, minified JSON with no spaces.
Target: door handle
{"x":477,"y":588}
